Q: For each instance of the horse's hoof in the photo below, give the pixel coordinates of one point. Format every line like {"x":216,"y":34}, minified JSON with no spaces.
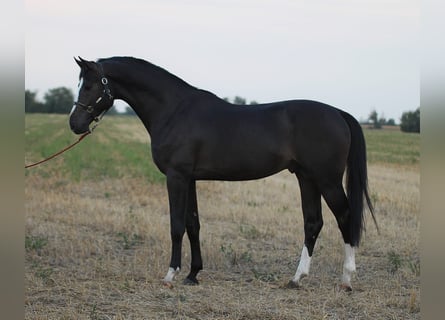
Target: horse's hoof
{"x":346,"y":287}
{"x":167,"y":284}
{"x":190,"y":282}
{"x":292,"y":285}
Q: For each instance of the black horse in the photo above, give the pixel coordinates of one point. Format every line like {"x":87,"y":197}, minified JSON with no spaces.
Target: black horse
{"x":197,"y":136}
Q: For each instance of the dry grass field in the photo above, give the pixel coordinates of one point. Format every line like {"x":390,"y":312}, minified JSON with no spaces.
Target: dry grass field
{"x":98,"y":241}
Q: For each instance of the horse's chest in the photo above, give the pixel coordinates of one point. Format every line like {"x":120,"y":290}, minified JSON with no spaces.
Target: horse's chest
{"x":160,"y":158}
{"x":171,"y":156}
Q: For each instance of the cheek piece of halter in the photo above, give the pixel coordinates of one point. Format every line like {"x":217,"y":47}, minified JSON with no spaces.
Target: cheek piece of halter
{"x":106,"y":93}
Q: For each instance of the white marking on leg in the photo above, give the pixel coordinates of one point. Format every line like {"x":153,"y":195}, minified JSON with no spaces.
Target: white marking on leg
{"x":171,"y":274}
{"x":348,"y":265}
{"x":303,"y":266}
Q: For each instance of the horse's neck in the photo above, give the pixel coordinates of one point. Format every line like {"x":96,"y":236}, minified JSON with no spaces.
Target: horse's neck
{"x":153,"y":99}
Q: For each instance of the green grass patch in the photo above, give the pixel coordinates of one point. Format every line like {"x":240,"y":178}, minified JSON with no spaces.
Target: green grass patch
{"x":129,"y":241}
{"x":392,"y":147}
{"x":105,"y":153}
{"x":35,"y":243}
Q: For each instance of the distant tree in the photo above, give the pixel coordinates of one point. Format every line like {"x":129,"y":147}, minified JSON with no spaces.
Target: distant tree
{"x":374,"y":119}
{"x":410,"y":121}
{"x":239,"y":100}
{"x":382,"y":120}
{"x":32,"y":105}
{"x":58,"y":100}
{"x":378,"y":121}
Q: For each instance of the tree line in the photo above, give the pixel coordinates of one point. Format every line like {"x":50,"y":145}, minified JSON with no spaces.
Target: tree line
{"x":61,"y":100}
{"x":409,"y":122}
{"x":57,"y":100}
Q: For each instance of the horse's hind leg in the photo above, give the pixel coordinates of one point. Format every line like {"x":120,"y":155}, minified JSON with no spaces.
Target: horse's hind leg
{"x":192,"y":227}
{"x":338,"y":203}
{"x":313,"y":222}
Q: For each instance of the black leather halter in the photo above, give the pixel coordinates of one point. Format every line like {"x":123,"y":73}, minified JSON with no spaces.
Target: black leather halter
{"x":106,"y":93}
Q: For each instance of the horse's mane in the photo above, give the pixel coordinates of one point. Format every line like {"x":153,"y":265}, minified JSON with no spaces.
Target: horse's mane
{"x":143,"y":64}
{"x":127,"y":59}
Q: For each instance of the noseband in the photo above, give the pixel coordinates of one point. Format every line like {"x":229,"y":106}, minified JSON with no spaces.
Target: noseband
{"x":106,"y":93}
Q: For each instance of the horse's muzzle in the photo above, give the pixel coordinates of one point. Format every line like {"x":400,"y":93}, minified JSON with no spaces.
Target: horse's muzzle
{"x":79,"y":127}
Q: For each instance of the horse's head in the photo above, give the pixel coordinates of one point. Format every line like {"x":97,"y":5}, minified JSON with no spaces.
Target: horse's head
{"x":94,"y":97}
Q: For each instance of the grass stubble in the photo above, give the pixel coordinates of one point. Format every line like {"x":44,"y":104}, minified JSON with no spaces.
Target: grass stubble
{"x":98,"y":248}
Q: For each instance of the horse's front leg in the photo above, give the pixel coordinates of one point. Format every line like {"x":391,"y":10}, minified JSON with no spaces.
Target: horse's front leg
{"x":178,"y":188}
{"x":192,"y":227}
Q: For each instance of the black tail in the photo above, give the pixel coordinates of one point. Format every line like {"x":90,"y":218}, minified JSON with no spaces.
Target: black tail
{"x":357,"y":180}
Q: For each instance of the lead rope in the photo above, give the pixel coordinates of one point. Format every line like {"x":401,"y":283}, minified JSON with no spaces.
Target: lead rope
{"x":97,"y":119}
{"x":60,"y":152}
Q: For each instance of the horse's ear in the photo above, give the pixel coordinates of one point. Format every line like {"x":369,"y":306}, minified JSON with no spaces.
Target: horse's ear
{"x":86,"y":64}
{"x":79,"y":62}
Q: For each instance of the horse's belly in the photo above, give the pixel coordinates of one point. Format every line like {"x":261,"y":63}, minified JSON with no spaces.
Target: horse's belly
{"x":241,"y":166}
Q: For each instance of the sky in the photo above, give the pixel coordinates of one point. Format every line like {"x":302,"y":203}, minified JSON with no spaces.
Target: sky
{"x":357,"y":55}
